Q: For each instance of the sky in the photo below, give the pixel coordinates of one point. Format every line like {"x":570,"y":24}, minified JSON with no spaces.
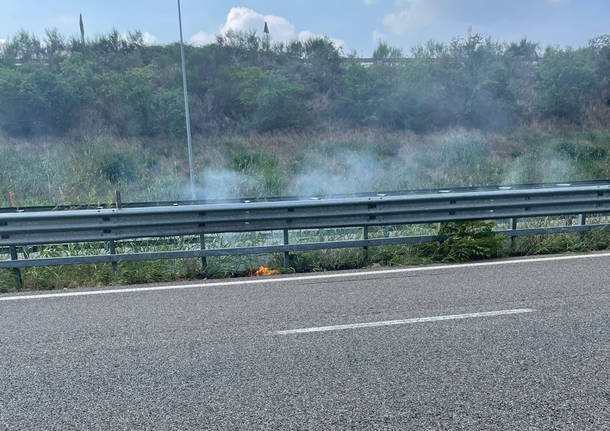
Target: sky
{"x":355,"y":25}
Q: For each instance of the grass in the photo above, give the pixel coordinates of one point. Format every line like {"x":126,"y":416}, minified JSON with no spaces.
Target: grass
{"x":472,"y":242}
{"x":88,"y":170}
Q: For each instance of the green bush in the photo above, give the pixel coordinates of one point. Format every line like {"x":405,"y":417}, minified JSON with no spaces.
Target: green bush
{"x":279,"y":104}
{"x":55,"y":87}
{"x":468,"y":240}
{"x":117,"y":167}
{"x":271,"y":179}
{"x":565,"y":83}
{"x":598,"y":239}
{"x":35,"y":101}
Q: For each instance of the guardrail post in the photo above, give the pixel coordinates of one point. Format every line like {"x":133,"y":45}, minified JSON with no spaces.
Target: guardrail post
{"x":512,"y":225}
{"x":286,"y":253}
{"x":112,"y":247}
{"x":16,"y":271}
{"x":365,"y":235}
{"x":111,"y":244}
{"x":204,"y":259}
{"x":582,"y":220}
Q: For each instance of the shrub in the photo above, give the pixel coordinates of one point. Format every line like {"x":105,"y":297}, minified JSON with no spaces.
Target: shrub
{"x":565,"y":84}
{"x":469,"y":240}
{"x":117,"y":167}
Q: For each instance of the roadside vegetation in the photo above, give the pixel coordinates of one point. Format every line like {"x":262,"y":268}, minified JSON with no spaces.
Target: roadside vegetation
{"x":79,"y":121}
{"x":119,"y":84}
{"x":465,"y":242}
{"x":52,"y":170}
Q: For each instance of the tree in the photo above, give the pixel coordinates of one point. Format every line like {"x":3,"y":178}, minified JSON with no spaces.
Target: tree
{"x":34,"y":100}
{"x":384,"y":52}
{"x":565,"y":83}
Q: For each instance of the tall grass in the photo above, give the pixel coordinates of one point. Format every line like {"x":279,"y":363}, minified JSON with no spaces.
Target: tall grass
{"x":49,"y":171}
{"x":54,"y":171}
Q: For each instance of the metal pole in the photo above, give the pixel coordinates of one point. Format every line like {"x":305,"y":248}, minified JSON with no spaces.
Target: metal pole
{"x":186,"y":106}
{"x":512,"y":225}
{"x":204,"y":260}
{"x":112,"y":246}
{"x":16,"y":271}
{"x":286,"y":254}
{"x":582,"y":220}
{"x":365,"y":235}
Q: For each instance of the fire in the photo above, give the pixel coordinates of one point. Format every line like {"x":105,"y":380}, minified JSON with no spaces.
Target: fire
{"x":265,"y":271}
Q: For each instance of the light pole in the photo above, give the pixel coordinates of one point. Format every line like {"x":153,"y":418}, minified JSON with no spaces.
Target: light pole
{"x":186,"y":107}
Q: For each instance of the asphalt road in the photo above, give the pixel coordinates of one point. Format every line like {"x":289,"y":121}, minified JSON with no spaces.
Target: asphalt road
{"x":211,"y":357}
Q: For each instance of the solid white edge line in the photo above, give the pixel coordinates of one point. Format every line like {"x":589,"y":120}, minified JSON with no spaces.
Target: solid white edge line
{"x":402,"y":321}
{"x":301,"y":278}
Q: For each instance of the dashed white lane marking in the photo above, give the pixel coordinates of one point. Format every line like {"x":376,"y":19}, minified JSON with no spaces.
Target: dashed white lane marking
{"x":301,"y":278}
{"x":402,"y":322}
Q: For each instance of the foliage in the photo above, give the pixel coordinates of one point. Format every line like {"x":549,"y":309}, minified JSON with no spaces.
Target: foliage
{"x":468,"y":240}
{"x":263,"y":168}
{"x":117,"y":105}
{"x":50,"y":171}
{"x":566,"y":82}
{"x":35,"y":101}
{"x":279,"y":105}
{"x":56,"y":85}
{"x":115,"y":167}
{"x":465,"y":243}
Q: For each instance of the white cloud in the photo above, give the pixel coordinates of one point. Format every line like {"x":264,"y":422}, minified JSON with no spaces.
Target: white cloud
{"x":243,"y":19}
{"x":411,"y":15}
{"x":423,"y":16}
{"x":413,"y":22}
{"x":149,"y":39}
{"x":202,"y":38}
{"x":2,"y":42}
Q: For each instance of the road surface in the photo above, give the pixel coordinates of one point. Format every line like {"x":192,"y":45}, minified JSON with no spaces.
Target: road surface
{"x":522,"y":345}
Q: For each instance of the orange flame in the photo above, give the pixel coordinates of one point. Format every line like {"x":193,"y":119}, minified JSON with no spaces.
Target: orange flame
{"x":265,"y":271}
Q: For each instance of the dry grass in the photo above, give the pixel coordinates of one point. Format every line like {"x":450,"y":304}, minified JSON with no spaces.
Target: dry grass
{"x":88,"y":170}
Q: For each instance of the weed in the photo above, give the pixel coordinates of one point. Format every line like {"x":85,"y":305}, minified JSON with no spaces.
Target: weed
{"x":470,"y":240}
{"x":89,"y":169}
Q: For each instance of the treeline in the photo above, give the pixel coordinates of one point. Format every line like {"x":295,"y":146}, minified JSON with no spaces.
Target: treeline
{"x":59,"y":85}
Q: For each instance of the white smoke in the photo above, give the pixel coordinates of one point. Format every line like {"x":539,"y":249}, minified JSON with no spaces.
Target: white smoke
{"x":224,"y":183}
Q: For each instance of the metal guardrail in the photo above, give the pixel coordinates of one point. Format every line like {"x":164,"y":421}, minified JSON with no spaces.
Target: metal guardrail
{"x":127,"y":223}
{"x":116,"y":202}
